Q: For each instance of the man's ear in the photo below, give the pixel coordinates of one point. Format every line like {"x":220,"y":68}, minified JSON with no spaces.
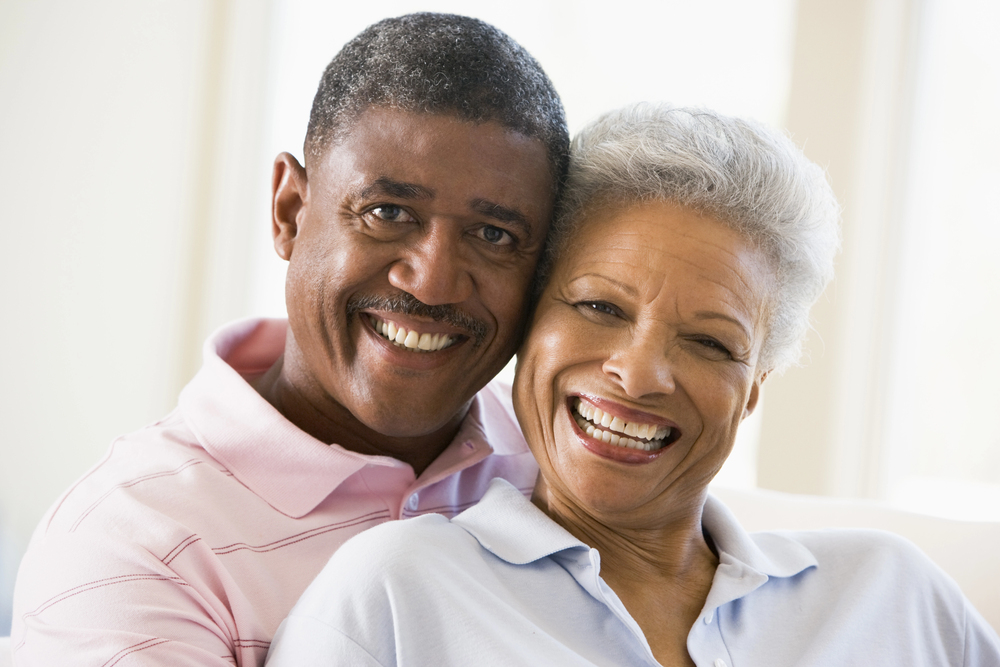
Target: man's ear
{"x":289,"y":193}
{"x":754,"y":395}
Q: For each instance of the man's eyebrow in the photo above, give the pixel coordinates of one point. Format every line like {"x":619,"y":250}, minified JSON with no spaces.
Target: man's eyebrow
{"x":502,"y":213}
{"x":387,"y":187}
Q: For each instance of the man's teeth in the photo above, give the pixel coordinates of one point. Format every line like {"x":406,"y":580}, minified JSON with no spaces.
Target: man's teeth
{"x":411,"y":339}
{"x":601,"y":426}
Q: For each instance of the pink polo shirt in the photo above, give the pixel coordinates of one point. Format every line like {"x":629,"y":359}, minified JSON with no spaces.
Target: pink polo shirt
{"x":192,"y":539}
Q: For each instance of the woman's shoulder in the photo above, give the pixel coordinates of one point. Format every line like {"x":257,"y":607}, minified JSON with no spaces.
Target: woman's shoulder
{"x":396,"y":543}
{"x":852,"y":547}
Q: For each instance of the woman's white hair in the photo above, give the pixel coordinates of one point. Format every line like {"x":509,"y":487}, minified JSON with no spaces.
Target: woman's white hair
{"x":742,"y":173}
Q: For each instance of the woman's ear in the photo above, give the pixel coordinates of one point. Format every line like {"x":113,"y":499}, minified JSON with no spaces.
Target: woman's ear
{"x":289,"y":194}
{"x":754,"y":397}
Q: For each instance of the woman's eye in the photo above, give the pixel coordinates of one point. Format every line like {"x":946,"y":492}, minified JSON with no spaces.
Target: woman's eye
{"x":714,"y":345}
{"x":390,"y":213}
{"x":599,"y":307}
{"x":495,"y":235}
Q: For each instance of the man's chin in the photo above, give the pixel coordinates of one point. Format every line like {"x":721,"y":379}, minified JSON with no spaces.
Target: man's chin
{"x":415,"y":424}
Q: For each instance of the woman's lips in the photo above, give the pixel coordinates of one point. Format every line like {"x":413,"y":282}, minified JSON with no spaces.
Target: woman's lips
{"x":610,"y":435}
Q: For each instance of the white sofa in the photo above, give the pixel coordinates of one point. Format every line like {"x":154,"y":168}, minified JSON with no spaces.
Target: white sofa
{"x":969,"y":551}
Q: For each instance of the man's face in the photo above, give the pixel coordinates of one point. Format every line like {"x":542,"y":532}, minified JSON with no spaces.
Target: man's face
{"x":422,"y":228}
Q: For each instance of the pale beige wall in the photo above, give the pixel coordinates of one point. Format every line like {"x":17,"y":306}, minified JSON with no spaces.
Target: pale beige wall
{"x":852,"y":87}
{"x":121,"y":134}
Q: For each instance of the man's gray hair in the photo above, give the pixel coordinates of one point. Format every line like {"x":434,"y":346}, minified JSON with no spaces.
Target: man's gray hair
{"x":439,"y":64}
{"x":748,"y":176}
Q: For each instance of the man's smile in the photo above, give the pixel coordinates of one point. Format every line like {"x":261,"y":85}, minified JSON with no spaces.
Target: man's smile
{"x":411,"y":338}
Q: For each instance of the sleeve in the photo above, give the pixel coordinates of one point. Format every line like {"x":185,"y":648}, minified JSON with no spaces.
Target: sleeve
{"x":100,"y":600}
{"x":982,"y":645}
{"x":304,"y":641}
{"x":348,"y":614}
{"x":368,"y":606}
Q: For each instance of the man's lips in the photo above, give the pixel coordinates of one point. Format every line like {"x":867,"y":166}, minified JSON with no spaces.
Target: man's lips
{"x":612,"y":429}
{"x":411,"y":338}
{"x":406,"y":305}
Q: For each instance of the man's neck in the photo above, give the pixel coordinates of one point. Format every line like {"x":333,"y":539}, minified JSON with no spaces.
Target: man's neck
{"x":326,"y":420}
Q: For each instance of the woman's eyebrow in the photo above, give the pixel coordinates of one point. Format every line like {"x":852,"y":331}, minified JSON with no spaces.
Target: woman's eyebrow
{"x":714,"y":315}
{"x":628,"y":289}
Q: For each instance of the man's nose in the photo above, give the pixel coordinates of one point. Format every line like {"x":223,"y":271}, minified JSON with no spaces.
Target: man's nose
{"x":641,"y":366}
{"x":434,"y":269}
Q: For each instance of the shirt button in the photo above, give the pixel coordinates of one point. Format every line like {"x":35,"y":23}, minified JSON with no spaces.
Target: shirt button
{"x":719,"y":662}
{"x":708,"y":618}
{"x":411,"y":504}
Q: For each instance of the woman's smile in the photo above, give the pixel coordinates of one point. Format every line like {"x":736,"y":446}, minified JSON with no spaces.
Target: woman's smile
{"x":616,"y":432}
{"x":640,"y":370}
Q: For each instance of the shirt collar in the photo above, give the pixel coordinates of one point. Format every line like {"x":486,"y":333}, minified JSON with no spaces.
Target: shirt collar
{"x":291,"y":470}
{"x":747,"y":561}
{"x":510,"y":527}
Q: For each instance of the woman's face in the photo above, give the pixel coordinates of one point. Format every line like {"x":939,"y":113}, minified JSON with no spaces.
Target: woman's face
{"x":641,"y":360}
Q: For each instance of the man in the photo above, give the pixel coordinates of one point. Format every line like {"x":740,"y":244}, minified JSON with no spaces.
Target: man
{"x":432,"y":158}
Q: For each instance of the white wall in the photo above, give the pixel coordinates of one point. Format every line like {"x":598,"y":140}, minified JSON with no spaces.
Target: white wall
{"x":113,"y":118}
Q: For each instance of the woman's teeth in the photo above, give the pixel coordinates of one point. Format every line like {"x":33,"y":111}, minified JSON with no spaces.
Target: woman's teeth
{"x":411,"y":339}
{"x":601,"y":426}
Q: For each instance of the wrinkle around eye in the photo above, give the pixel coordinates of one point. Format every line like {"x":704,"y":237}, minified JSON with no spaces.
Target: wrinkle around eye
{"x":599,"y":311}
{"x":390,"y":213}
{"x":506,"y":238}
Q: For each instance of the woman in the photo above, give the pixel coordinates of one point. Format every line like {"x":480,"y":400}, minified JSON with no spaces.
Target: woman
{"x":686,"y":256}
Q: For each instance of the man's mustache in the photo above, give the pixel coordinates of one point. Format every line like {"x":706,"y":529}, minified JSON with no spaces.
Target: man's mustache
{"x":407,"y":304}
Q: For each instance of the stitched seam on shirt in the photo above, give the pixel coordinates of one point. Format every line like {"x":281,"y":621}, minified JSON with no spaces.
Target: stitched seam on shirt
{"x":440,"y":509}
{"x":717,"y":612}
{"x":100,"y":583}
{"x":135,"y":648}
{"x":125,"y":485}
{"x":300,"y":537}
{"x":184,"y":544}
{"x":251,"y":643}
{"x":342,"y":634}
{"x":65,"y":496}
{"x":455,"y":509}
{"x":965,"y":628}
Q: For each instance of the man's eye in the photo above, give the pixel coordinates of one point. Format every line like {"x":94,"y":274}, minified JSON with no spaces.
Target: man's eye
{"x":391,"y":213}
{"x":495,"y":235}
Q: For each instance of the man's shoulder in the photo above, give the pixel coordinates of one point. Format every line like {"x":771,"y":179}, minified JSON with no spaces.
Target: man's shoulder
{"x":133,"y":473}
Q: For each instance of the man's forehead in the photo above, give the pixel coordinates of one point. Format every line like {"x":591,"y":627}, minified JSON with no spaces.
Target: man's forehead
{"x":408,"y":131}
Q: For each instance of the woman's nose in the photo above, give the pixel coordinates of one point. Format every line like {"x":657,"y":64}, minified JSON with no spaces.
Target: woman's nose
{"x":641,"y":367}
{"x":433,"y":270}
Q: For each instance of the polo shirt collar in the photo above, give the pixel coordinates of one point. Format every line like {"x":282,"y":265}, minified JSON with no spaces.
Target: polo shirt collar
{"x":291,"y":470}
{"x":747,"y":561}
{"x":508,"y":525}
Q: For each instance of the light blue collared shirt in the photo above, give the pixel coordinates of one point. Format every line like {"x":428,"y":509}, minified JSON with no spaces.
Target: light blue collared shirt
{"x":502,"y":584}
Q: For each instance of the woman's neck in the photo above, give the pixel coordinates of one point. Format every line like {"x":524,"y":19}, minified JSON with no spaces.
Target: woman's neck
{"x":662,"y":571}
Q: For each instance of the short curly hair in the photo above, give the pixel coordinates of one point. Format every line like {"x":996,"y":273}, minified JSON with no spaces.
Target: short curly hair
{"x":439,"y":63}
{"x":748,"y":176}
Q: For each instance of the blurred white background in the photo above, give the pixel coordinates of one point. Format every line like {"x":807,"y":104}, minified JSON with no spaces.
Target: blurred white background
{"x":137,"y":140}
